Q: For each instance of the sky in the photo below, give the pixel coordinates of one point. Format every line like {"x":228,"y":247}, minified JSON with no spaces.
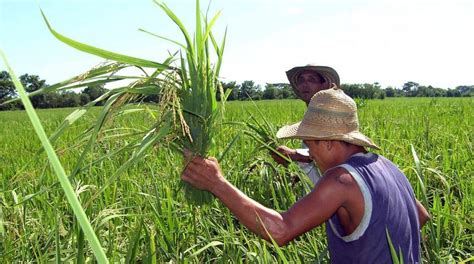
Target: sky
{"x":430,"y":42}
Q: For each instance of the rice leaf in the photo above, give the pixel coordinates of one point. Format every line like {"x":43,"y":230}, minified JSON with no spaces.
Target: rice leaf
{"x":103,"y":53}
{"x":228,"y":147}
{"x":134,"y":243}
{"x":58,"y":169}
{"x":419,"y":173}
{"x":393,"y":252}
{"x":210,"y":244}
{"x":165,"y":38}
{"x":98,"y":126}
{"x":2,"y":228}
{"x":79,"y":81}
{"x":277,"y":248}
{"x":147,"y":142}
{"x":175,"y":19}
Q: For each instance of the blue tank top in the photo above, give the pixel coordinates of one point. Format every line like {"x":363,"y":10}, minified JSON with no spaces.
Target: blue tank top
{"x":389,"y":204}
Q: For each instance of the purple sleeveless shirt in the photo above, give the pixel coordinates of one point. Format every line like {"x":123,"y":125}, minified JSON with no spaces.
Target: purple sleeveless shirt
{"x":389,"y":205}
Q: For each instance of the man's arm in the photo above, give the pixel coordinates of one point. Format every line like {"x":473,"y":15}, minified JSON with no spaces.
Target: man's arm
{"x":307,"y":213}
{"x":292,"y":154}
{"x":423,"y":214}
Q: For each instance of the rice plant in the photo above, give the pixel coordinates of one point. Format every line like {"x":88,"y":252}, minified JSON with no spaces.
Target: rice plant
{"x":187,"y":113}
{"x":32,"y":200}
{"x":140,"y":213}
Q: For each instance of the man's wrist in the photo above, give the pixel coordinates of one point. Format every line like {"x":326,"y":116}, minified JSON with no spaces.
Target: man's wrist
{"x":220,"y":188}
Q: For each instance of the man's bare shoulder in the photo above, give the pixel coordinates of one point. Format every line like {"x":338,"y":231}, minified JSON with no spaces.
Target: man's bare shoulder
{"x":341,"y":176}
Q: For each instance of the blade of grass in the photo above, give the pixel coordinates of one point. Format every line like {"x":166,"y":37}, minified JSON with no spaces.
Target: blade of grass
{"x":277,"y":248}
{"x":103,"y":53}
{"x":393,"y":252}
{"x":210,"y":244}
{"x":434,"y":243}
{"x":58,"y":169}
{"x":134,"y":243}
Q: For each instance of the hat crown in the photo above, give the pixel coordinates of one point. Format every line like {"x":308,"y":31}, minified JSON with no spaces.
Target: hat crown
{"x":332,"y":111}
{"x":333,"y":99}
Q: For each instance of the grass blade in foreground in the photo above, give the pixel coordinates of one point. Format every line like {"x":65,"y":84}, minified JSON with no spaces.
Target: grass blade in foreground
{"x":59,"y":170}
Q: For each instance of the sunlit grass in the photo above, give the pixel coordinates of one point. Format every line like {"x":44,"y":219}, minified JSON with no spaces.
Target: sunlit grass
{"x":149,"y":201}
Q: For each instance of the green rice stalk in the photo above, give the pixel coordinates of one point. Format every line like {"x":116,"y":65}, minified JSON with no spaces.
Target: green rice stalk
{"x":280,"y":253}
{"x":396,"y":259}
{"x":210,"y":244}
{"x":198,"y":83}
{"x":59,"y":170}
{"x":434,"y":243}
{"x":2,"y":228}
{"x":263,"y":132}
{"x":134,"y":243}
{"x":197,"y":86}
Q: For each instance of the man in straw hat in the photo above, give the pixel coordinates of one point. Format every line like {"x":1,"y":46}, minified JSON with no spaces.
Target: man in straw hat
{"x":306,"y":81}
{"x":362,"y":197}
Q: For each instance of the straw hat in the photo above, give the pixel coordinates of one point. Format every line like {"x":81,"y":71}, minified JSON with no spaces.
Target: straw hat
{"x":331,"y":115}
{"x":329,"y":74}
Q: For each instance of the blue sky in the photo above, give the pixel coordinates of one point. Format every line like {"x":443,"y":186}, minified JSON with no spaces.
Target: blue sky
{"x":366,"y":41}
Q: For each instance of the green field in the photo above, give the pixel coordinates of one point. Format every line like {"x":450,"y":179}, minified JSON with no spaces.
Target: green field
{"x":144,"y":216}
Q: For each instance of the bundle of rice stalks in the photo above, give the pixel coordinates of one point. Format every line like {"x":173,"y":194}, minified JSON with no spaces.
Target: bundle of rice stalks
{"x":197,"y":86}
{"x":187,"y":111}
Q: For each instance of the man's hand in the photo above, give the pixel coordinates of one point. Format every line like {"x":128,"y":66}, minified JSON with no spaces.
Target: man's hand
{"x":290,"y":153}
{"x":202,"y":173}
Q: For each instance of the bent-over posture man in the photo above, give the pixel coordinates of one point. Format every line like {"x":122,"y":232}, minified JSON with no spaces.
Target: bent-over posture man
{"x":361,"y":197}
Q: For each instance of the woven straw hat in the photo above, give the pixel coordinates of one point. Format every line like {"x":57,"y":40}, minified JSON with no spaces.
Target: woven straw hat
{"x":328,"y":73}
{"x":331,"y":115}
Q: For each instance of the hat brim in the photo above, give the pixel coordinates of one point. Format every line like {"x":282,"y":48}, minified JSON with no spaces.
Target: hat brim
{"x":328,"y":73}
{"x":300,"y":131}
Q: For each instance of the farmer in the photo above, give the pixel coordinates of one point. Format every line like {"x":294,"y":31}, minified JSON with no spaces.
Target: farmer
{"x":306,"y":81}
{"x":361,"y":196}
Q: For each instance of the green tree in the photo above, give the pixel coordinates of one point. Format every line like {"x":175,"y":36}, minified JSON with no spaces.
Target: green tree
{"x":390,"y":92}
{"x":465,"y":90}
{"x":7,"y":89}
{"x":249,"y":89}
{"x":271,"y":92}
{"x":284,"y":90}
{"x":410,"y":88}
{"x":33,"y":83}
{"x":71,"y":99}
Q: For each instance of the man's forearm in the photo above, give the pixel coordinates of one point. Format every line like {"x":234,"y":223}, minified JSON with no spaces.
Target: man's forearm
{"x":253,"y":215}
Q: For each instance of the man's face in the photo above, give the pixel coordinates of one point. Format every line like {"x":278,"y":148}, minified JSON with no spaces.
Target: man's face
{"x":308,"y":83}
{"x":316,"y":152}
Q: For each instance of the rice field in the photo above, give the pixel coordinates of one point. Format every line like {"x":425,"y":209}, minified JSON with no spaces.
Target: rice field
{"x":143,"y":215}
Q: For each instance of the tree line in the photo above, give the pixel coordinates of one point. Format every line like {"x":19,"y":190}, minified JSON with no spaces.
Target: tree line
{"x":244,"y":91}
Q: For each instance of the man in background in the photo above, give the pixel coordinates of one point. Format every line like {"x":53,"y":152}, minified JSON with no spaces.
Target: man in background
{"x":306,"y":81}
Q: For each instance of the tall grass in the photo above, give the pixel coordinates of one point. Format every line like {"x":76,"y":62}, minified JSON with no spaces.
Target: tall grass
{"x":58,"y":168}
{"x":147,"y":201}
